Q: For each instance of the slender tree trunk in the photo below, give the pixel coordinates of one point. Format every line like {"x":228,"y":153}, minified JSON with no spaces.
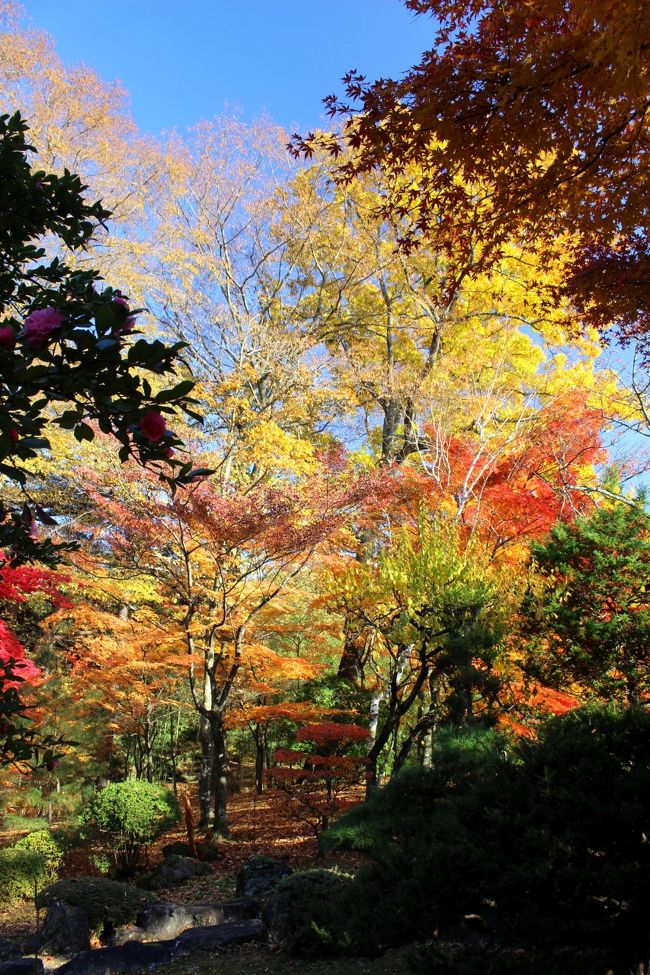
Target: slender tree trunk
{"x":147,"y":752}
{"x":206,"y":741}
{"x":219,"y":772}
{"x":371,"y":752}
{"x":427,"y":751}
{"x":391,"y":438}
{"x":173,"y":738}
{"x":260,"y":748}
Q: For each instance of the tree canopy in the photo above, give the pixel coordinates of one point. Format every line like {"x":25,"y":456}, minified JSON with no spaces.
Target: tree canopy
{"x":524,"y":118}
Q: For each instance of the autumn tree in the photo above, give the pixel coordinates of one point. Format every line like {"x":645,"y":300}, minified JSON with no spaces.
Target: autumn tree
{"x":426,"y":346}
{"x":427,"y":626}
{"x":532,"y":121}
{"x":196,"y":240}
{"x":217,"y":561}
{"x":122,"y":665}
{"x":21,"y":587}
{"x":315,"y":773}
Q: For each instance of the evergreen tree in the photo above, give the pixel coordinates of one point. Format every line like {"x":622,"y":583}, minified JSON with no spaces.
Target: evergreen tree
{"x":590,"y":623}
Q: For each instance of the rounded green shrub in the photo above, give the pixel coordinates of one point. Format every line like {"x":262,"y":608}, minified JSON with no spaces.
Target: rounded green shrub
{"x":316,"y":913}
{"x":105,"y":902}
{"x":544,"y":842}
{"x":125,"y":816}
{"x":22,"y":873}
{"x":47,"y":846}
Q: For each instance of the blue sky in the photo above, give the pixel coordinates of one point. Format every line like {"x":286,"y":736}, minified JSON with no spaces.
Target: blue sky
{"x":184,"y":61}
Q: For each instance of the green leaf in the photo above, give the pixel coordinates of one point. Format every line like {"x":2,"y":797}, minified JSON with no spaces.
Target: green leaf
{"x":83,"y":432}
{"x":178,"y":391}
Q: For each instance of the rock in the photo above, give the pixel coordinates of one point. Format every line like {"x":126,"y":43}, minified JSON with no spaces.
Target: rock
{"x":177,"y":849}
{"x":125,"y":934}
{"x":8,"y":950}
{"x":131,"y":957}
{"x":66,"y":930}
{"x":161,"y":922}
{"x":241,"y":909}
{"x":260,"y":875}
{"x":175,"y":870}
{"x":107,"y":903}
{"x":208,"y":852}
{"x":22,"y":966}
{"x":225,"y":935}
{"x":137,"y":957}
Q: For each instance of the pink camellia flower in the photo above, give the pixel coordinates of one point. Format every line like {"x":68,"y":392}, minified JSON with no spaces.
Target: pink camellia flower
{"x":169,"y":453}
{"x":39,"y":327}
{"x":7,"y":337}
{"x":119,"y":299}
{"x":153,"y":425}
{"x":124,"y":329}
{"x":13,"y":435}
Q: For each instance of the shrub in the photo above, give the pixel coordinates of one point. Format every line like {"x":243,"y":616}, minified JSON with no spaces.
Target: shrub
{"x":125,"y":816}
{"x":106,"y":902}
{"x":312,"y":913}
{"x":479,"y":959}
{"x":47,"y":846}
{"x":22,"y":872}
{"x":555,"y":841}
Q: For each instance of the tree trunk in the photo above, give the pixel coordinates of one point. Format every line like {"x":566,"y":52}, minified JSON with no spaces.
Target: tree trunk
{"x":391,"y":439}
{"x":147,"y":752}
{"x":206,"y":808}
{"x":173,"y":739}
{"x":206,"y":739}
{"x":219,"y":773}
{"x":260,"y":748}
{"x":371,"y":752}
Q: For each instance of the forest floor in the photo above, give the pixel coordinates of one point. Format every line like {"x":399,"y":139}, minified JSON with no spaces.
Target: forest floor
{"x":259,"y":825}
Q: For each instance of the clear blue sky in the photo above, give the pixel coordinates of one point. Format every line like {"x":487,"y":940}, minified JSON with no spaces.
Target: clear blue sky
{"x":184,"y":60}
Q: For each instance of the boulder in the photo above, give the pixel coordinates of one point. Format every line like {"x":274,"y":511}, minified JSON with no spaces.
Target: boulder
{"x":241,"y":909}
{"x":120,"y":936}
{"x":107,"y":903}
{"x":177,"y":849}
{"x":162,"y":922}
{"x":66,"y":930}
{"x":260,"y":876}
{"x":132,"y":957}
{"x":22,"y":966}
{"x":226,"y":935}
{"x":175,"y":870}
{"x":8,"y":950}
{"x":209,"y":852}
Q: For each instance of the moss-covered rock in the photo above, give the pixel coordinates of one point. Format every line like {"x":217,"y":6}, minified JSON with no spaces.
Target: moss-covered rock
{"x":107,"y":903}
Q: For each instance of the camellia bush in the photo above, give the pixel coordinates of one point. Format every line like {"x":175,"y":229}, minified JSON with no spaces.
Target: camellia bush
{"x":126,"y":816}
{"x":70,"y":357}
{"x":68,"y":341}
